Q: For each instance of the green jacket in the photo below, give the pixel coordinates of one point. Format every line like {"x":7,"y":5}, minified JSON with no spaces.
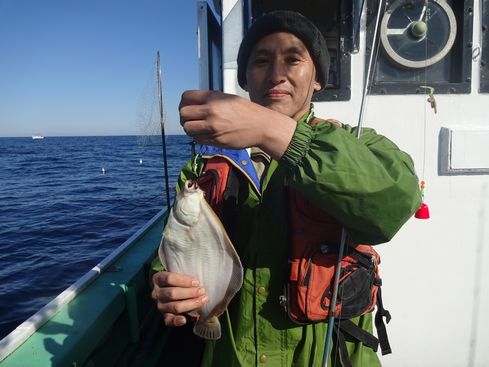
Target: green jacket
{"x":369,"y":185}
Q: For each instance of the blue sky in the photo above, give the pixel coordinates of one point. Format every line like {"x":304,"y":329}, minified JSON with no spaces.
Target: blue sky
{"x":83,"y":67}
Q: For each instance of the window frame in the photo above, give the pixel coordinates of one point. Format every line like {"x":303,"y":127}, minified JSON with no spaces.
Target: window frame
{"x":484,"y":60}
{"x":210,"y":40}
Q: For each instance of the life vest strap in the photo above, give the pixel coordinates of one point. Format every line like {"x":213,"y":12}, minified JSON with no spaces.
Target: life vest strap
{"x":380,"y":326}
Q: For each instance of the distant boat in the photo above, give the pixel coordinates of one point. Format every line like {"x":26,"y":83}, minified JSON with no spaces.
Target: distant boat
{"x":37,"y":136}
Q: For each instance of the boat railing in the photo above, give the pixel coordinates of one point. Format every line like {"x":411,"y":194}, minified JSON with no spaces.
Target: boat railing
{"x":22,"y":333}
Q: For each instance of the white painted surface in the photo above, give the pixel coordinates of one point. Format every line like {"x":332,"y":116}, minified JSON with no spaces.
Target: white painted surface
{"x":469,"y":149}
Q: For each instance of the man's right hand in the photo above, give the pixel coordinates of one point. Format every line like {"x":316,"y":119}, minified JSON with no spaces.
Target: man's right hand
{"x":216,"y":118}
{"x":176,"y":294}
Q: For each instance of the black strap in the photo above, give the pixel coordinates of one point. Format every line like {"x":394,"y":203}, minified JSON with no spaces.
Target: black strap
{"x":363,"y":258}
{"x":348,"y":327}
{"x":358,"y":333}
{"x":380,"y":326}
{"x":340,"y":338}
{"x":230,"y":204}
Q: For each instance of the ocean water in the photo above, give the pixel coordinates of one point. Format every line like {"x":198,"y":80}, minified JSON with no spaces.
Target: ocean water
{"x":61,"y":214}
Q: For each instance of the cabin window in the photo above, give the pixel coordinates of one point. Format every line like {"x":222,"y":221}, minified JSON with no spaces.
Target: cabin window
{"x":210,"y":50}
{"x":334,"y":20}
{"x":484,"y":63}
{"x":421,"y":45}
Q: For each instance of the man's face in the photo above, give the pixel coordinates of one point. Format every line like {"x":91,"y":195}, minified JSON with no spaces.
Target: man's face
{"x":281,"y":74}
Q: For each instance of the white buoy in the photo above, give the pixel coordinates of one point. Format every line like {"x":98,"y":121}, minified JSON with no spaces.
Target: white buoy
{"x":103,"y":170}
{"x":140,"y":161}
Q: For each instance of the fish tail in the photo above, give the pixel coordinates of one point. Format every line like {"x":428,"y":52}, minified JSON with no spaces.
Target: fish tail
{"x":208,"y":329}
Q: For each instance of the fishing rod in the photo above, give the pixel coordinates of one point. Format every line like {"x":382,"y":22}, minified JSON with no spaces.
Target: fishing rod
{"x":341,"y":250}
{"x":162,"y":125}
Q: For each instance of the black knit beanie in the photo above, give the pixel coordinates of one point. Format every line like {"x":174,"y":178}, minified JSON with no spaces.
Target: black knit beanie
{"x":290,"y":22}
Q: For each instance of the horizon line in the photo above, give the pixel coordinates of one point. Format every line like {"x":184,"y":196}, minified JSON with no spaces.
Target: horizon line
{"x":74,"y":136}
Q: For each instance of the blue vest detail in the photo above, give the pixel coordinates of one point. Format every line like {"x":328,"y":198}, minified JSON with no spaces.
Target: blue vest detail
{"x":239,"y":158}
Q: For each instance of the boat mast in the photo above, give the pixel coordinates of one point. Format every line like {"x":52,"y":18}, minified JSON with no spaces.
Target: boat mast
{"x":162,"y":125}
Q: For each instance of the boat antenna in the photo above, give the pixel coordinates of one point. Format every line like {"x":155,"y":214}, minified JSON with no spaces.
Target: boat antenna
{"x":341,"y":250}
{"x":162,"y":125}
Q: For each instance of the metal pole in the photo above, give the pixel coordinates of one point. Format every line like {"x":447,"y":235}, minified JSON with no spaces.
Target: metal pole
{"x":334,"y":298}
{"x":373,"y":53}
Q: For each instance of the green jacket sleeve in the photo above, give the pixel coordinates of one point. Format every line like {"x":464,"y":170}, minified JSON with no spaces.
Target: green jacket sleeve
{"x":369,"y":184}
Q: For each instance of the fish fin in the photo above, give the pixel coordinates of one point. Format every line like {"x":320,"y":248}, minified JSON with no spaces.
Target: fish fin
{"x":161,"y":252}
{"x":208,"y":329}
{"x":235,"y":283}
{"x":236,"y":280}
{"x":228,"y":243}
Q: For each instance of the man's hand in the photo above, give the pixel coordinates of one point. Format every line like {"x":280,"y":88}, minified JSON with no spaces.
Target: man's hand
{"x":229,"y":121}
{"x":176,"y":294}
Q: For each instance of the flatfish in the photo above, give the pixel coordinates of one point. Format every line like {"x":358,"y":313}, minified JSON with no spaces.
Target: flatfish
{"x":195,"y":243}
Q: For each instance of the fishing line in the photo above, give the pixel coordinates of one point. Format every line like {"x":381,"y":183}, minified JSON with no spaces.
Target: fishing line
{"x":424,"y":104}
{"x":426,"y":90}
{"x":427,"y":14}
{"x":423,"y":210}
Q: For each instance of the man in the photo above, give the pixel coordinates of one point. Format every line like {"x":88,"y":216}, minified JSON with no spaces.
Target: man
{"x":368,"y":185}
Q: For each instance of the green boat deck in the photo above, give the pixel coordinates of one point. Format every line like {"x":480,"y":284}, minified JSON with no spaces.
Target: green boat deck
{"x":113,"y":321}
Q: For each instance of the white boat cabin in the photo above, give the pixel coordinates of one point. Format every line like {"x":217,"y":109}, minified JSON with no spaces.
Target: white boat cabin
{"x":436,"y":271}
